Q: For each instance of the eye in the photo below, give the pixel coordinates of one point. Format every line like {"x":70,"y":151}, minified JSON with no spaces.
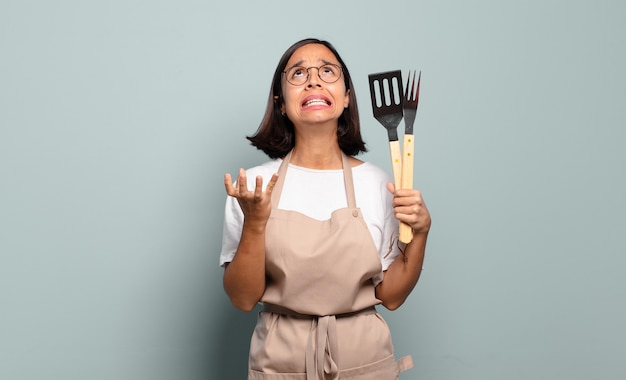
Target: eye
{"x":328,"y":70}
{"x":297,"y":72}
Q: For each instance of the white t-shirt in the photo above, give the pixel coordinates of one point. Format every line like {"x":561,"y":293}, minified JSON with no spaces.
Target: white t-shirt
{"x":317,"y":193}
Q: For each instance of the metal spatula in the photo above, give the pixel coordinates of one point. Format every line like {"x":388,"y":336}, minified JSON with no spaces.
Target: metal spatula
{"x":386,"y":93}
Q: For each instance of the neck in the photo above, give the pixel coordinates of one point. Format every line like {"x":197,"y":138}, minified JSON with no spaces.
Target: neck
{"x":317,"y":147}
{"x":317,"y":154}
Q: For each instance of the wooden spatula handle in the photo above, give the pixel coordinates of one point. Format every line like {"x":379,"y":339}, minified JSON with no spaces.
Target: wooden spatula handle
{"x":406,"y":233}
{"x":396,"y":162}
{"x":396,"y":167}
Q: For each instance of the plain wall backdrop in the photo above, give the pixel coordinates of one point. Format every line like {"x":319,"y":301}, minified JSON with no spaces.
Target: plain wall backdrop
{"x":118,"y":120}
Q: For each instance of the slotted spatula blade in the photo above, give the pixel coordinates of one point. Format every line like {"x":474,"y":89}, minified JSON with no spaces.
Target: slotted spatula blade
{"x":386,"y":94}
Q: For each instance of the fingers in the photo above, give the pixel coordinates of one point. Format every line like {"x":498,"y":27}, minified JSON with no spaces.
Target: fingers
{"x":407,"y":197}
{"x":272,"y":183}
{"x":409,"y":207}
{"x":241,"y":185}
{"x":258,"y":189}
{"x":240,"y":188}
{"x":228,"y":185}
{"x":242,"y":182}
{"x":391,"y":187}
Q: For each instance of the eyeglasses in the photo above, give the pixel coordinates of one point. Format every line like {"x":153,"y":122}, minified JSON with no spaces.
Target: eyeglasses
{"x":299,"y":75}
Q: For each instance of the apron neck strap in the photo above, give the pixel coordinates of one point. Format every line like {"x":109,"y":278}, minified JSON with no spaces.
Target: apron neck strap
{"x":349,"y":183}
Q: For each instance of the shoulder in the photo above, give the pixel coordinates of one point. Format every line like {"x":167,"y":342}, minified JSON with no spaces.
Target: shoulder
{"x":367,"y":171}
{"x":370,"y":183}
{"x":265,"y":170}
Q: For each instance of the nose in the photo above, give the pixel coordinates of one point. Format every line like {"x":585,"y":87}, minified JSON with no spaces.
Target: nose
{"x":314,"y":77}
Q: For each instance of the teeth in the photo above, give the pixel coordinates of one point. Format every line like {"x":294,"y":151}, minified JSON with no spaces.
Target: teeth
{"x":314,"y":101}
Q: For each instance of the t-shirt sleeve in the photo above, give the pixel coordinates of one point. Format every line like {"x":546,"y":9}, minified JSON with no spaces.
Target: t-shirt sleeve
{"x":231,"y":234}
{"x":390,"y":245}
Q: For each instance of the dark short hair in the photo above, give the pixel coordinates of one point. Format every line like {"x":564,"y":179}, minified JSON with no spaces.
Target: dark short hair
{"x":276,"y":136}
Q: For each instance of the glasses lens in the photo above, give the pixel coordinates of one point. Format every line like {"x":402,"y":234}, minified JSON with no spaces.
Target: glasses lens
{"x":329,"y":73}
{"x":297,"y":75}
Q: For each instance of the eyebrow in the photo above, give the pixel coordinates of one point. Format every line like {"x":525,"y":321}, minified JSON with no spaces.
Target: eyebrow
{"x":325,"y":62}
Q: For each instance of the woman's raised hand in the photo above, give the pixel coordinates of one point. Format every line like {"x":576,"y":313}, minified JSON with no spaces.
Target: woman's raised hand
{"x":256,"y":204}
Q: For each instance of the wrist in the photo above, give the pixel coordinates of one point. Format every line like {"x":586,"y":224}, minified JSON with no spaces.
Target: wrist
{"x":421,"y":229}
{"x":254,"y":226}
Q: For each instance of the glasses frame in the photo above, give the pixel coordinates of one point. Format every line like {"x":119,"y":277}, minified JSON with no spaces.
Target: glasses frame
{"x":308,"y":73}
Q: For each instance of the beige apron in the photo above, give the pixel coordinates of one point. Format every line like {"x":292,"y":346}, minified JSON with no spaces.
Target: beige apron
{"x":319,"y":320}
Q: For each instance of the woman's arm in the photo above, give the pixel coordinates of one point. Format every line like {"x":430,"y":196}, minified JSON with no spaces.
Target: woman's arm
{"x":402,"y":275}
{"x":244,"y":276}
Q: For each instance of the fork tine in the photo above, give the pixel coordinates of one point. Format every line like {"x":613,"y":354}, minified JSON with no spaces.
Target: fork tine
{"x":411,"y":94}
{"x":417,"y":93}
{"x":410,"y":91}
{"x":406,"y":88}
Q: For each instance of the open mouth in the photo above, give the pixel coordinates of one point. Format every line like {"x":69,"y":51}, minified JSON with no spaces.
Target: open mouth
{"x":317,"y":101}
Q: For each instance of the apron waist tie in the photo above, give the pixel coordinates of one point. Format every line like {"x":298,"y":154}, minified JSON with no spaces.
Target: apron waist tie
{"x":322,"y":350}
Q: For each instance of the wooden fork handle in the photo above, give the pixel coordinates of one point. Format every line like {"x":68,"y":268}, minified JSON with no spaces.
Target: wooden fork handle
{"x":406,"y":233}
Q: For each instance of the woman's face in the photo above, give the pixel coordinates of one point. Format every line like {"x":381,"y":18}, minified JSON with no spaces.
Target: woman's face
{"x":314,"y":101}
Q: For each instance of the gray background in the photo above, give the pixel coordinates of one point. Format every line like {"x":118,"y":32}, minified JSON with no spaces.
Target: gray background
{"x":119,"y":118}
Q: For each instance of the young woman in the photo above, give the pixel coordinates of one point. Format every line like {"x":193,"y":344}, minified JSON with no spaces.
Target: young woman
{"x":312,"y":234}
